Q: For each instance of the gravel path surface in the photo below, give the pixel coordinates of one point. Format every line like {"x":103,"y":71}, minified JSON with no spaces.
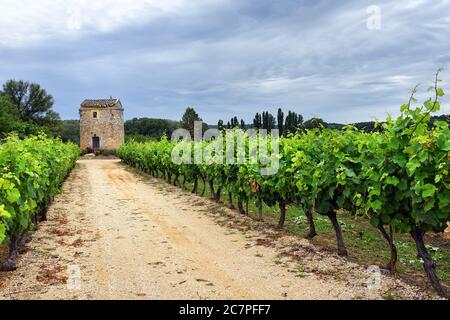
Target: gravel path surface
{"x":114,"y":234}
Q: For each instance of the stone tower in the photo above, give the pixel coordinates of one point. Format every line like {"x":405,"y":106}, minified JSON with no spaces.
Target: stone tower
{"x":101,"y":124}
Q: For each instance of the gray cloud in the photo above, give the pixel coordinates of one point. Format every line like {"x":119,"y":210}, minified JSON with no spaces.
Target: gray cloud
{"x":229,"y":58}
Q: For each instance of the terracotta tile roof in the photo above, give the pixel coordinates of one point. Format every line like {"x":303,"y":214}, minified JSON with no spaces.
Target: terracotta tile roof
{"x":99,"y":103}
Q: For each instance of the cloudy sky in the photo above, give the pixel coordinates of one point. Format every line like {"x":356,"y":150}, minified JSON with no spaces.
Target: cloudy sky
{"x":322,"y":58}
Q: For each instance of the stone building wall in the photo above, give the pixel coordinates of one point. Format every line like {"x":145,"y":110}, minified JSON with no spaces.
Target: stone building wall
{"x":108,"y":126}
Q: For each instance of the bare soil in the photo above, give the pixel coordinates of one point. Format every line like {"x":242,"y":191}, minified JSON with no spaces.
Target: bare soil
{"x":115,"y":234}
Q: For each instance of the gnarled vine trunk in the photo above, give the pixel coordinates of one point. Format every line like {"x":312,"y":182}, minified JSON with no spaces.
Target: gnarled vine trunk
{"x":211,"y":188}
{"x":428,"y":263}
{"x":241,"y":207}
{"x":392,"y":266}
{"x":260,"y":210}
{"x":194,"y":189}
{"x":282,"y":205}
{"x":16,"y":247}
{"x":218,"y":194}
{"x":230,"y":200}
{"x":204,"y":186}
{"x":312,"y":227}
{"x":11,"y":260}
{"x":43,"y":214}
{"x":175,"y":181}
{"x":342,"y":250}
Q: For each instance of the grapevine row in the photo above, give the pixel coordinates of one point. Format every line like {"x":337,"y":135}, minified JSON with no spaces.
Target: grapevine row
{"x":398,"y":178}
{"x":31,"y":171}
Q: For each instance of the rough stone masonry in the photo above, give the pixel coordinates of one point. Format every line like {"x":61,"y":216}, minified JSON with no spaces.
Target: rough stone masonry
{"x":101,"y":125}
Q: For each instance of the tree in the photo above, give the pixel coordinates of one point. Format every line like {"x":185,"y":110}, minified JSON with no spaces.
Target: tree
{"x":271,"y":122}
{"x":188,"y":119}
{"x":293,"y":122}
{"x":268,"y":121}
{"x":257,"y":121}
{"x":28,"y":109}
{"x":234,"y":122}
{"x":71,"y":131}
{"x":149,"y":127}
{"x":220,"y":125}
{"x":242,"y":124}
{"x":9,"y":115}
{"x":10,"y":121}
{"x":314,"y":123}
{"x":299,"y":119}
{"x":444,"y":117}
{"x":280,"y":121}
{"x":33,"y":102}
{"x":289,"y":125}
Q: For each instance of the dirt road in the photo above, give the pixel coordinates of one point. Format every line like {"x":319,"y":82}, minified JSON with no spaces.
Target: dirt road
{"x":114,"y":234}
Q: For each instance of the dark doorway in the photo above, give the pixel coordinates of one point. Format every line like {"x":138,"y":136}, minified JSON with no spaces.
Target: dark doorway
{"x":95,"y":142}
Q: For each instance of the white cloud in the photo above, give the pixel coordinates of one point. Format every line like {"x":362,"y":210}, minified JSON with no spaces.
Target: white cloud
{"x":26,"y":21}
{"x":226,"y":57}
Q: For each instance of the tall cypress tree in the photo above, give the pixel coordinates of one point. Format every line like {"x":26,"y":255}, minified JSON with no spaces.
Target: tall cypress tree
{"x":270,"y":122}
{"x":294,"y":122}
{"x":234,"y":122}
{"x":265,"y":122}
{"x":220,"y":125}
{"x":257,"y":121}
{"x":280,"y":121}
{"x":299,"y":123}
{"x":290,"y":122}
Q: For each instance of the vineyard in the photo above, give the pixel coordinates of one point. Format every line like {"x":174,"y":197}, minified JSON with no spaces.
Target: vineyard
{"x":31,"y":171}
{"x":397,"y":178}
{"x":393,"y":184}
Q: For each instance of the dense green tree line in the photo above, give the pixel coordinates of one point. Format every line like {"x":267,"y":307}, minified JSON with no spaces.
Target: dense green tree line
{"x":153,"y":128}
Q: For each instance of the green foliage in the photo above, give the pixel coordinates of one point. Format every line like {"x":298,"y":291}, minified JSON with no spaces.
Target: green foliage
{"x":405,"y":171}
{"x":268,"y":121}
{"x":234,"y":122}
{"x":9,"y":116}
{"x":188,"y":120}
{"x":70,"y":131}
{"x":220,"y":125}
{"x":139,"y":138}
{"x":31,"y":171}
{"x":10,"y":121}
{"x":397,"y":176}
{"x":27,"y":110}
{"x":280,"y":121}
{"x":153,"y":128}
{"x":314,"y":123}
{"x":33,"y":102}
{"x":257,"y":121}
{"x":293,"y":122}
